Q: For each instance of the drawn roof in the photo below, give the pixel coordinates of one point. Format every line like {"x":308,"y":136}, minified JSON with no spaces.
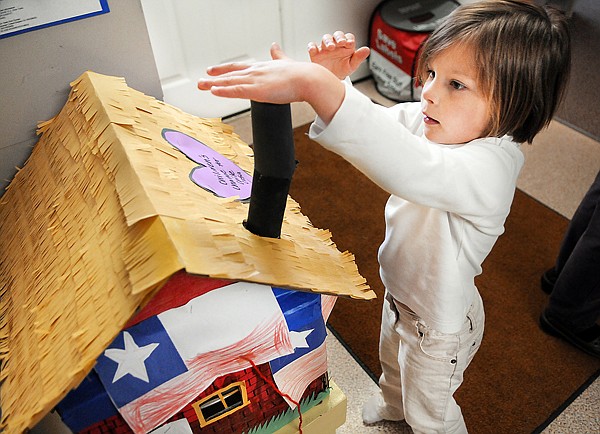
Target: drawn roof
{"x":102,"y":214}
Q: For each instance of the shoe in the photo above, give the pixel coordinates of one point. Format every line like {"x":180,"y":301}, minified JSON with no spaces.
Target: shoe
{"x":587,"y":340}
{"x":548,"y":280}
{"x":375,"y":410}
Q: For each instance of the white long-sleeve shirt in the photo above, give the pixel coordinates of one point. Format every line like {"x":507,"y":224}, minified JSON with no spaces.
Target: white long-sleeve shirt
{"x":447,"y":207}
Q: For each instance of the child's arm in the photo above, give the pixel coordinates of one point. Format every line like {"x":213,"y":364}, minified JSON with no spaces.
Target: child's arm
{"x":338,"y":53}
{"x":279,"y":81}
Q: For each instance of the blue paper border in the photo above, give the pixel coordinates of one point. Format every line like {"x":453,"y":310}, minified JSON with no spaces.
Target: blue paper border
{"x":104,"y":10}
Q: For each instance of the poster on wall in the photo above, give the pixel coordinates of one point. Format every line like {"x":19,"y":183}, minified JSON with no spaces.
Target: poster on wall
{"x":20,"y":16}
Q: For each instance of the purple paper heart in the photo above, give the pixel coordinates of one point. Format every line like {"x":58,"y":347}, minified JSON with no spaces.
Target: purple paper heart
{"x":215,"y":173}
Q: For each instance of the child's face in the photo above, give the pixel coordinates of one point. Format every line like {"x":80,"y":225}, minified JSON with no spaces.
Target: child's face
{"x":454,"y":107}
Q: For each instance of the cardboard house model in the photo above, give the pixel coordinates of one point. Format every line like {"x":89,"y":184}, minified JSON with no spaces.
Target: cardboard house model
{"x":132,"y":297}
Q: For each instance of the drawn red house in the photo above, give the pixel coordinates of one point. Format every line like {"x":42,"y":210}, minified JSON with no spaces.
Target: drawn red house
{"x":133,"y":299}
{"x":250,"y":324}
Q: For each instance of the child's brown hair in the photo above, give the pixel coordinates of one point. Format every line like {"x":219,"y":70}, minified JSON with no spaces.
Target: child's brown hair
{"x":523,"y":54}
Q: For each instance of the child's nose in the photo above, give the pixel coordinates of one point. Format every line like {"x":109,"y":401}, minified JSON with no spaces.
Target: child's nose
{"x":429,"y":92}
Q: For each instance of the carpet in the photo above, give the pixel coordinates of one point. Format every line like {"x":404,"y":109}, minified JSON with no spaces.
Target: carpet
{"x":520,"y":376}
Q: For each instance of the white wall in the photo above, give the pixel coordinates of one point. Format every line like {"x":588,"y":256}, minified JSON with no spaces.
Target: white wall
{"x":37,"y":67}
{"x":189,"y":35}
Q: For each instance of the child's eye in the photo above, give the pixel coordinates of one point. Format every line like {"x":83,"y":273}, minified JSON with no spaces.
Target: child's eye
{"x":430,"y":74}
{"x":457,"y":85}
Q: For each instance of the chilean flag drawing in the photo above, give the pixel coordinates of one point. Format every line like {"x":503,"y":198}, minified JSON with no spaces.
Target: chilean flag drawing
{"x":305,"y":314}
{"x":156,"y":367}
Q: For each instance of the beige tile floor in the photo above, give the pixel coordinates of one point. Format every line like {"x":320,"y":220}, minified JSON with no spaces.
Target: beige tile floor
{"x":560,"y":166}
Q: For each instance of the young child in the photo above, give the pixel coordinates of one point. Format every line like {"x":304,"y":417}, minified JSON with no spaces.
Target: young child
{"x":493,"y":74}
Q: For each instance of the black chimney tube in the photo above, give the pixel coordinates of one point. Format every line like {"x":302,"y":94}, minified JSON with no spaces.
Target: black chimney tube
{"x":274,"y":164}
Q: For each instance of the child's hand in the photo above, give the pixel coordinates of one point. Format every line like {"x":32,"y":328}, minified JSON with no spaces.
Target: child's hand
{"x":338,"y":53}
{"x":279,"y":81}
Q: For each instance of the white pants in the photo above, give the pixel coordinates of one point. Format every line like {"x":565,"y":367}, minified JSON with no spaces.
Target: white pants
{"x":422,"y":368}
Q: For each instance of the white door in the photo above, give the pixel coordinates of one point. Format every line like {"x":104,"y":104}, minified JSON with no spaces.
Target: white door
{"x":189,"y":35}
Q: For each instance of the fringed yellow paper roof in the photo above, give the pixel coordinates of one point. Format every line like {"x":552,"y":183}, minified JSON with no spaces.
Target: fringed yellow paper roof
{"x":101,"y":215}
